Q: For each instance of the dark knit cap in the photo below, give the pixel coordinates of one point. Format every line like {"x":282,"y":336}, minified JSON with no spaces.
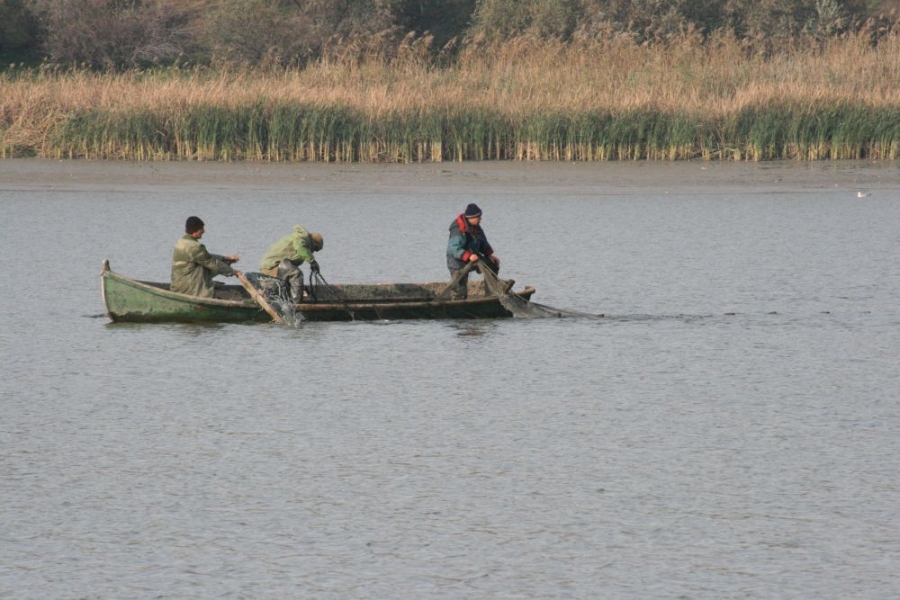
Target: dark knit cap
{"x":193,"y":224}
{"x":472,"y":210}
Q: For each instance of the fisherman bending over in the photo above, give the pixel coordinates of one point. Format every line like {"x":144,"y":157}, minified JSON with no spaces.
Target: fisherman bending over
{"x":284,"y":257}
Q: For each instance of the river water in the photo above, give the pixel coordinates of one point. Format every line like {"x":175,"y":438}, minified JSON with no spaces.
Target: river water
{"x":729,"y":428}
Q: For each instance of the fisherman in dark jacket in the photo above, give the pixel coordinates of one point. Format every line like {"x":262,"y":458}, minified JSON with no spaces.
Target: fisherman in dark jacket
{"x":468,"y":243}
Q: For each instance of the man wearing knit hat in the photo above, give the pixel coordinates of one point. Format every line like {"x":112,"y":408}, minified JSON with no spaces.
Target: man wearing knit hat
{"x":193,"y":267}
{"x":468,"y":243}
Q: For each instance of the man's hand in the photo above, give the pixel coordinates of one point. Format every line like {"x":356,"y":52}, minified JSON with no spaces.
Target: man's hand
{"x":314,"y":266}
{"x":473,"y":257}
{"x":232,"y":258}
{"x":237,"y":273}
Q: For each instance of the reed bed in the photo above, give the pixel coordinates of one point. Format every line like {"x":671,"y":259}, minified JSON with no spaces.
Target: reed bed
{"x":522,"y":101}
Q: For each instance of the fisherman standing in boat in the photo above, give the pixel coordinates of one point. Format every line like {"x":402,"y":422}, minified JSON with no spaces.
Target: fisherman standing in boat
{"x":468,"y":243}
{"x":193,"y":268}
{"x":284,"y":257}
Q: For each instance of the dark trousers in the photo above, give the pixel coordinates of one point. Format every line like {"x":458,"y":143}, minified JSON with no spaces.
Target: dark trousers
{"x":461,"y":290}
{"x":293,"y":277}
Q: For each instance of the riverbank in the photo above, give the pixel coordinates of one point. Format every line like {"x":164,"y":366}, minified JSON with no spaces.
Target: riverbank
{"x":616,"y":101}
{"x":593,"y":180}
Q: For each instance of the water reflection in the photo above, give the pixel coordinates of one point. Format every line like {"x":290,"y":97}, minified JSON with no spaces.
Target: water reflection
{"x":473,"y":328}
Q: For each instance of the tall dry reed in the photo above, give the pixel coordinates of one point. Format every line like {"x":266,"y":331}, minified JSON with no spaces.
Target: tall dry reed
{"x":524,"y":101}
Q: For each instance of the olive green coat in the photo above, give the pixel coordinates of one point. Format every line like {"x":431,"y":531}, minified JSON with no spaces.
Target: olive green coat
{"x":193,"y":268}
{"x":296,"y":247}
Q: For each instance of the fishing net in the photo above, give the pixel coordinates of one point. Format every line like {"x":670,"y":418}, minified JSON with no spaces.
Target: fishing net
{"x":520,"y":307}
{"x":277,"y":294}
{"x":321,"y":290}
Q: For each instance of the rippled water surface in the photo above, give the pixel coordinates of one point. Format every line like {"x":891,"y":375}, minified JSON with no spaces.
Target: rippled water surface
{"x":729,"y":428}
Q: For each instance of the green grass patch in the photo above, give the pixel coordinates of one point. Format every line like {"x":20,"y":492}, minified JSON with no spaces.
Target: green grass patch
{"x":290,"y":132}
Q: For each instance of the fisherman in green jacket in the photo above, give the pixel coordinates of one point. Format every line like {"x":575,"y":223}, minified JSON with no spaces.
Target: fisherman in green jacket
{"x":193,"y":268}
{"x":284,"y":257}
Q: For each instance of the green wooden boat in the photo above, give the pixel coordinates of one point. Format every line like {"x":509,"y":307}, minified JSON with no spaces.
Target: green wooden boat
{"x":131,"y":301}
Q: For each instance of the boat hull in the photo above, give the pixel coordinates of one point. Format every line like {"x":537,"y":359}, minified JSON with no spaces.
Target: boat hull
{"x":132,"y":301}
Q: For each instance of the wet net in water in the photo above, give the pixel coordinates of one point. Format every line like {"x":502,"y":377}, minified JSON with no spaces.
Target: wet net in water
{"x":520,"y":307}
{"x":276,"y":293}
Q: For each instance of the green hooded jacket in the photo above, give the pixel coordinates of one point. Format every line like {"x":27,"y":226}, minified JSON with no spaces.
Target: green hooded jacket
{"x":193,"y":268}
{"x":296,"y":247}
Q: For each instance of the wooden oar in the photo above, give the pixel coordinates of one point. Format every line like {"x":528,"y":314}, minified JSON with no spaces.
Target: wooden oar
{"x":254,"y":293}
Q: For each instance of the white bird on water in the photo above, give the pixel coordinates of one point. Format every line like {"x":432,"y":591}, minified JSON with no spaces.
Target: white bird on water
{"x":862,"y":194}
